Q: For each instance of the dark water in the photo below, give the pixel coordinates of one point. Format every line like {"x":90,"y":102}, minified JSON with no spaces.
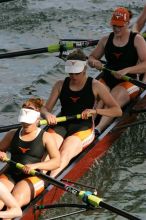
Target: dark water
{"x":120,"y":176}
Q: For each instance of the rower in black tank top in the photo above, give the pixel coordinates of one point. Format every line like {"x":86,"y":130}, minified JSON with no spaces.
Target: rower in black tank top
{"x":119,"y":58}
{"x":74,"y":102}
{"x":25,"y":152}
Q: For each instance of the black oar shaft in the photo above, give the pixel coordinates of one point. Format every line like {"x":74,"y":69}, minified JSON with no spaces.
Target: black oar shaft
{"x":59,"y":47}
{"x":118,"y":211}
{"x":130,"y":124}
{"x":24,"y":52}
{"x":86,"y":197}
{"x":9,"y":127}
{"x":1,"y":1}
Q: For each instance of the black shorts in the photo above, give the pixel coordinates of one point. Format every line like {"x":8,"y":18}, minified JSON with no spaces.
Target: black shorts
{"x":66,"y":129}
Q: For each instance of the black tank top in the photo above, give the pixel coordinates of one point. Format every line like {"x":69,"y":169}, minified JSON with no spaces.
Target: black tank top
{"x":74,"y":102}
{"x":27,"y":151}
{"x":119,"y":58}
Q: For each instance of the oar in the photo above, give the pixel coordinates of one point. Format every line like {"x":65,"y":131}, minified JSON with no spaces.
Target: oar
{"x":85,"y":196}
{"x":59,"y":47}
{"x":42,"y":122}
{"x":127,"y":78}
{"x":130,"y":125}
{"x":1,"y":1}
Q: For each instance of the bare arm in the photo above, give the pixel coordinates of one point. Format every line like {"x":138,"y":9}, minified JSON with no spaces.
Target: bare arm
{"x":97,"y":53}
{"x":5,"y":143}
{"x":112,"y":108}
{"x":137,"y":27}
{"x":14,"y":209}
{"x":47,"y":109}
{"x":139,"y":68}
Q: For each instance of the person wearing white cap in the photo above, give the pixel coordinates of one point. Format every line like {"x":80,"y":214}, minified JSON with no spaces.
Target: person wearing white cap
{"x":78,"y":94}
{"x":28,"y":145}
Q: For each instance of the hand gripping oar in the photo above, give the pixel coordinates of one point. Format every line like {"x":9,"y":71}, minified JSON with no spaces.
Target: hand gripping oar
{"x":85,"y":196}
{"x":127,"y":78}
{"x":42,"y":122}
{"x":59,"y":47}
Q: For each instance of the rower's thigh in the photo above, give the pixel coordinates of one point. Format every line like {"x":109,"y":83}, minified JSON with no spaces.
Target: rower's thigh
{"x":121,"y":95}
{"x":71,"y":146}
{"x":27,"y":189}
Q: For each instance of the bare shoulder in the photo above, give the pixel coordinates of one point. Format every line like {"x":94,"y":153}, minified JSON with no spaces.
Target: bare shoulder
{"x":97,"y":82}
{"x":58,"y":85}
{"x":103,"y":40}
{"x":47,"y":137}
{"x":10,"y":134}
{"x":97,"y":85}
{"x":139,"y":40}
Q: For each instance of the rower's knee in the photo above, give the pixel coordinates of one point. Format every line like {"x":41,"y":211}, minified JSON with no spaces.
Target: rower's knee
{"x":23,"y":197}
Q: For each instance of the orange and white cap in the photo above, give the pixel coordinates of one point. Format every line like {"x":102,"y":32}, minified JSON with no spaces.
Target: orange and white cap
{"x":120,"y":17}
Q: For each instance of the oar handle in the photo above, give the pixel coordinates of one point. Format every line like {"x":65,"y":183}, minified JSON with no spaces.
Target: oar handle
{"x":18,"y":165}
{"x":127,"y":78}
{"x":62,"y":119}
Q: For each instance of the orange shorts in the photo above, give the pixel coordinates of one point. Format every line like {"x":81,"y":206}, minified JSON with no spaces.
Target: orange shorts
{"x":132,"y":89}
{"x":37,"y":185}
{"x":86,"y":136}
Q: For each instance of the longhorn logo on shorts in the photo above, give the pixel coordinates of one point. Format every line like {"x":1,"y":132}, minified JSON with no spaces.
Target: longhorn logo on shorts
{"x":24,"y":150}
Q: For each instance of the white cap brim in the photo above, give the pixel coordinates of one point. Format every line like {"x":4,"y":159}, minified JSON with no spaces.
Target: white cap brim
{"x":74,"y":66}
{"x":28,"y":116}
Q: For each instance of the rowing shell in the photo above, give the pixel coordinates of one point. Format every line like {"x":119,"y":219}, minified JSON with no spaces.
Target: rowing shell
{"x":95,"y":150}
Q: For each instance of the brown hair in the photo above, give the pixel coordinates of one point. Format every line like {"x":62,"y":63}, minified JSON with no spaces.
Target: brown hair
{"x":77,"y":54}
{"x":130,"y":13}
{"x":36,"y":102}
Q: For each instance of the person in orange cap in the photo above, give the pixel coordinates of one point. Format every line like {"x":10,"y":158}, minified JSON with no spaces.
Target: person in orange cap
{"x":122,"y":50}
{"x":139,"y":24}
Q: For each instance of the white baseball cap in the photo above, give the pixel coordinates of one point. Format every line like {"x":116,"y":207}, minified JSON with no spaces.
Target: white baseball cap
{"x":28,"y":116}
{"x":75,"y":66}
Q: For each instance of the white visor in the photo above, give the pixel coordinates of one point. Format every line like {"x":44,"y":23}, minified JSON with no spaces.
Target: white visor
{"x":74,"y":66}
{"x":28,"y":116}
